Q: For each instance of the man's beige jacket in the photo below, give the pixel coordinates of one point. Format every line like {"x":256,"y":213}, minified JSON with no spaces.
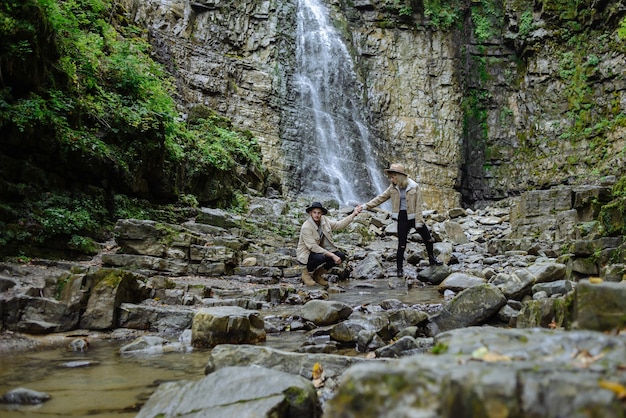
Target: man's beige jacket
{"x":310,"y":239}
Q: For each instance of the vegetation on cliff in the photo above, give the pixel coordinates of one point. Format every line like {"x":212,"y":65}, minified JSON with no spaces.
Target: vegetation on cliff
{"x":90,"y":131}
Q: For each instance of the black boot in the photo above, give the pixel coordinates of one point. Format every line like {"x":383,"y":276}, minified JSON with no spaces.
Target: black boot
{"x":432,"y":260}
{"x":400,"y":271}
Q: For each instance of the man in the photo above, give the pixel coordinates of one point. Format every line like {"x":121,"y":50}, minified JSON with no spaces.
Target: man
{"x":316,"y":247}
{"x":405,"y":207}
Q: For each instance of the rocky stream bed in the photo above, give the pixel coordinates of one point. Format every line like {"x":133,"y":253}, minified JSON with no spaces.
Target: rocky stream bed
{"x":524,"y":319}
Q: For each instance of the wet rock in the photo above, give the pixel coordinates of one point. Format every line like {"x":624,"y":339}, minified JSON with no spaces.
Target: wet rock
{"x":155,"y":318}
{"x":149,"y":344}
{"x":302,"y":364}
{"x":219,"y":218}
{"x":6,"y":283}
{"x":111,"y":288}
{"x":226,"y":325}
{"x":472,"y":306}
{"x":322,"y":312}
{"x":487,"y":369}
{"x":558,"y":287}
{"x":79,"y":363}
{"x":78,"y":344}
{"x":519,"y":283}
{"x":601,"y":306}
{"x":403,"y":318}
{"x":460,"y":281}
{"x":403,"y":346}
{"x":434,"y":274}
{"x":236,"y":392}
{"x":546,"y":313}
{"x":24,"y":396}
{"x":369,"y":268}
{"x":366,"y":331}
{"x":615,"y":273}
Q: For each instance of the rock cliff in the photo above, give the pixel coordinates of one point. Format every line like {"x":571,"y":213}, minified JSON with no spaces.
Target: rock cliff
{"x":498,"y":99}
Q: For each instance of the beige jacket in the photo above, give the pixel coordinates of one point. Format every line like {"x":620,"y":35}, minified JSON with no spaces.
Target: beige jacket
{"x":310,"y":239}
{"x":413,"y":204}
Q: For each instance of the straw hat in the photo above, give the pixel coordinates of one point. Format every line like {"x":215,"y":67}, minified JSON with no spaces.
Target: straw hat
{"x":396,"y":168}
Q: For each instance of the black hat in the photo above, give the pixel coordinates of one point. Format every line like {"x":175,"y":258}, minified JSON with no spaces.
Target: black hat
{"x":317,"y":205}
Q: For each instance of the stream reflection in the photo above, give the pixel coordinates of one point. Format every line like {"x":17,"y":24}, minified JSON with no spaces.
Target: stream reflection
{"x":116,"y":386}
{"x":112,"y":386}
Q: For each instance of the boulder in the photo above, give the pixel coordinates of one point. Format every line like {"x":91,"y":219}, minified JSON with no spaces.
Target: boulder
{"x":323,"y":312}
{"x":226,"y":325}
{"x":236,"y":392}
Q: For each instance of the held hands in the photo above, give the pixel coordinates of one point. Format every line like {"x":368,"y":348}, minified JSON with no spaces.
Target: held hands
{"x":357,"y":210}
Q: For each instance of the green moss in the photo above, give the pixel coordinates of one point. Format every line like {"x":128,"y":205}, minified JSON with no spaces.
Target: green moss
{"x":297,"y":396}
{"x":112,"y":280}
{"x":61,"y":283}
{"x":612,"y":217}
{"x":439,"y":348}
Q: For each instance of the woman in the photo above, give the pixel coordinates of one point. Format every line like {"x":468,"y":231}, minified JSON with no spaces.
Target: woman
{"x":405,"y":208}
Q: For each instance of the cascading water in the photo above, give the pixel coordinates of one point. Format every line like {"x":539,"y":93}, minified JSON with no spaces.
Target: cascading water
{"x":337,"y":158}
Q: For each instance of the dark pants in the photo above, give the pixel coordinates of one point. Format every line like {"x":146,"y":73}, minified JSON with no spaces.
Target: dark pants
{"x":404,"y":226}
{"x":317,"y":259}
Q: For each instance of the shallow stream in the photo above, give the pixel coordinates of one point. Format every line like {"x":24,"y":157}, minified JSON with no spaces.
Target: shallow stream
{"x":113,"y":385}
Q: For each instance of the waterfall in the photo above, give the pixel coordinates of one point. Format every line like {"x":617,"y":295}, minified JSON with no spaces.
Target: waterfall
{"x":337,"y":159}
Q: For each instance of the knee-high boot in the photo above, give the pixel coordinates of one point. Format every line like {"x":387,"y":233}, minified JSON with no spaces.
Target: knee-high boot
{"x":400,"y":260}
{"x":432,"y":260}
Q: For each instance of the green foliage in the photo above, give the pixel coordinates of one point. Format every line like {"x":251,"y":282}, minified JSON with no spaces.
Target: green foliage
{"x":475,"y":105}
{"x":83,"y":245}
{"x":621,"y":30}
{"x":130,"y":208}
{"x":526,"y":23}
{"x":619,"y":189}
{"x":239,"y":203}
{"x":117,"y":103}
{"x":402,"y":7}
{"x":188,"y":200}
{"x":66,"y":214}
{"x":99,"y":104}
{"x":443,"y":14}
{"x":612,"y":216}
{"x":576,"y":67}
{"x":405,"y":11}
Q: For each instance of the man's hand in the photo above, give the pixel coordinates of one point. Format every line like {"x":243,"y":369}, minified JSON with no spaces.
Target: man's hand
{"x":357,"y":209}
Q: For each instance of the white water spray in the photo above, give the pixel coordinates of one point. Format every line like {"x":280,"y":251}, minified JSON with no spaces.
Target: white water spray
{"x":337,"y":157}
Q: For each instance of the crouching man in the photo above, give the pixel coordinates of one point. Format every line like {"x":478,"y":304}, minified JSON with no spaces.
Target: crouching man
{"x":316,"y":248}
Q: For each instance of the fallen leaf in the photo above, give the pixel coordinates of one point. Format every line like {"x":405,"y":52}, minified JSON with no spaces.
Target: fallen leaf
{"x":479,"y":353}
{"x":317,"y":371}
{"x":618,"y":388}
{"x":484,"y":354}
{"x":493,"y":357}
{"x":585,"y":358}
{"x":595,"y":280}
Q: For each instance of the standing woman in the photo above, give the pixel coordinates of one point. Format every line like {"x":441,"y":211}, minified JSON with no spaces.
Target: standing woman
{"x":405,"y":208}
